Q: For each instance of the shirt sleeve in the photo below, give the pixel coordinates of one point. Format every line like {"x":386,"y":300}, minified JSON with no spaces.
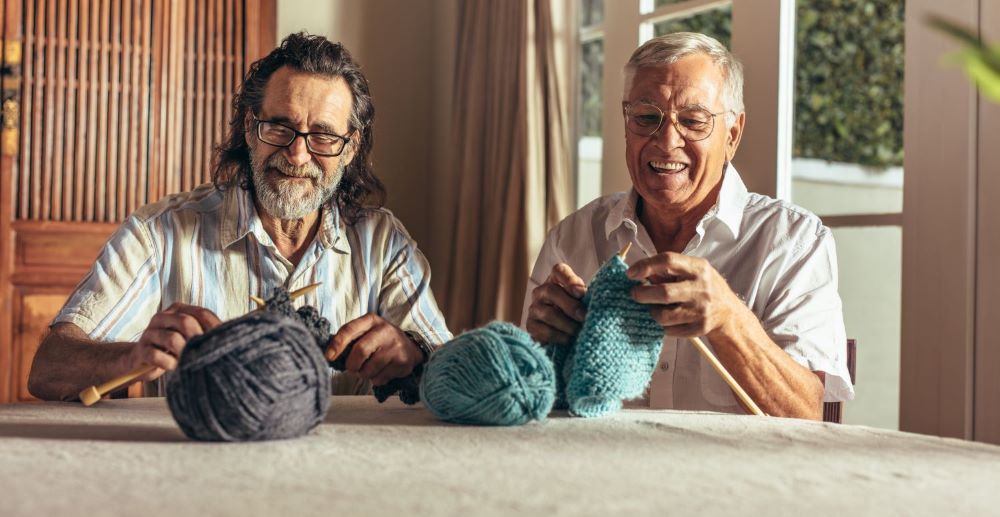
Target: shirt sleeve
{"x":121,"y":292}
{"x":805,"y":316}
{"x":405,"y":297}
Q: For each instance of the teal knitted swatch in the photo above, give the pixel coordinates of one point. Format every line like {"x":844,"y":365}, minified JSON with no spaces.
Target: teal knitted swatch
{"x":493,"y":375}
{"x":616,"y":351}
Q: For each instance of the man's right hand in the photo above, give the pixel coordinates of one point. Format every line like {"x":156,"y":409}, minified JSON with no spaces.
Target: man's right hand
{"x":164,"y":339}
{"x":556,"y":312}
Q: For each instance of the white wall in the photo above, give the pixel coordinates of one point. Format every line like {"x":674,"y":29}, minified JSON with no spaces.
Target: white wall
{"x":406,"y":50}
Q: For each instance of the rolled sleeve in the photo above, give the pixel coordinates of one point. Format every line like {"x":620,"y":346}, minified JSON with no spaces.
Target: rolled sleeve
{"x":805,"y":317}
{"x":119,"y":295}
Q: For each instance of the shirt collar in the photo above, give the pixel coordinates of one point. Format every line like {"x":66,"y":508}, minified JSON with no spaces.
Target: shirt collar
{"x":240,"y":218}
{"x":728,"y":209}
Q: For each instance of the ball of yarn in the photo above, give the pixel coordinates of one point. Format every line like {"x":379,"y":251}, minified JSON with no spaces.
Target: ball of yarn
{"x":259,"y":377}
{"x":493,"y":375}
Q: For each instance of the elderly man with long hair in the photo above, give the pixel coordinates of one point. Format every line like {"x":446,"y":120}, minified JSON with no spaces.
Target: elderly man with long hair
{"x":294,"y":202}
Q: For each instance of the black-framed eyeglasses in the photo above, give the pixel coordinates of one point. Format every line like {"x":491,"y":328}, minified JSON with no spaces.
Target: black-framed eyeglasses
{"x":692,"y":123}
{"x":318,"y":143}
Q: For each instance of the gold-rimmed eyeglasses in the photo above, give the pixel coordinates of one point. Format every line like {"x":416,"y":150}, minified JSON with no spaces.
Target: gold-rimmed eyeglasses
{"x":693,"y":123}
{"x":318,"y":143}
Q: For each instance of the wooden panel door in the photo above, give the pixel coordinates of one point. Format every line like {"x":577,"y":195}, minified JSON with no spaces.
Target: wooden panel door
{"x":108,"y":105}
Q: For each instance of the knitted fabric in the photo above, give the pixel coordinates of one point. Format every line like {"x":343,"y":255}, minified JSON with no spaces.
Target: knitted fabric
{"x":259,"y":377}
{"x":408,"y":387}
{"x":615,"y":352}
{"x":494,"y":375}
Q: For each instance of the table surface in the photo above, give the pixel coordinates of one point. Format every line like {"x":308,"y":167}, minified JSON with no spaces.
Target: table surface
{"x":127,"y":457}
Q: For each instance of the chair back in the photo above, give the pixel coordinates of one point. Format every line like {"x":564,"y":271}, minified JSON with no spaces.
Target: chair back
{"x":833,"y":411}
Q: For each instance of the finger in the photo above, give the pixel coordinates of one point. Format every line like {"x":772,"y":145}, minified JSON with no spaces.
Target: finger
{"x":363,"y":350}
{"x":556,"y":295}
{"x":184,"y":324}
{"x":663,"y":294}
{"x":166,"y":340}
{"x":668,"y":263}
{"x":378,"y":361}
{"x":553,"y":317}
{"x":350,"y":332}
{"x":390,"y":372}
{"x":160,"y":359}
{"x":564,"y":275}
{"x":206,"y":318}
{"x":543,"y":333}
{"x":686,"y":330}
{"x":674,"y":315}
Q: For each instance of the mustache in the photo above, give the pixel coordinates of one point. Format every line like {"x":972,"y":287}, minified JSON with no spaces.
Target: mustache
{"x":308,"y":170}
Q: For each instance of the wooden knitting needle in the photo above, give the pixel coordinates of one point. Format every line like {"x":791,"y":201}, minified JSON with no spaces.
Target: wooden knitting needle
{"x":624,"y":251}
{"x":92,"y":394}
{"x":261,"y":303}
{"x":741,"y":394}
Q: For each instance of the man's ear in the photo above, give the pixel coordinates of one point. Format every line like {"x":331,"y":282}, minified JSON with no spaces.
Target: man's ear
{"x":351,"y":148}
{"x":734,"y":135}
{"x":247,"y":125}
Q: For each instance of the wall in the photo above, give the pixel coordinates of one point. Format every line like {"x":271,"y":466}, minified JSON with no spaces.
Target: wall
{"x":406,"y":50}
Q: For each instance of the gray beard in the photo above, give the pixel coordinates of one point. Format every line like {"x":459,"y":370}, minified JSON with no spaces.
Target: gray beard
{"x":288,"y":199}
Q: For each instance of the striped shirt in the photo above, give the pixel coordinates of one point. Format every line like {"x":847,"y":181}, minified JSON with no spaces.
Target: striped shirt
{"x":208,"y":248}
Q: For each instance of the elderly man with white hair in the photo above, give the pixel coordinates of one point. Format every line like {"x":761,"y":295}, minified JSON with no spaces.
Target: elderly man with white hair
{"x":754,"y":276}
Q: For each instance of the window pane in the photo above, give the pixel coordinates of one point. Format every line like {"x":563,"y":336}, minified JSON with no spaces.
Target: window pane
{"x":848,"y":134}
{"x":591,"y":12}
{"x":870,"y":287}
{"x":589,"y":143}
{"x":660,"y":3}
{"x":716,"y":23}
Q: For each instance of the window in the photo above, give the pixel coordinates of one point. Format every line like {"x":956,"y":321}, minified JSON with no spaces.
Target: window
{"x":590,"y":100}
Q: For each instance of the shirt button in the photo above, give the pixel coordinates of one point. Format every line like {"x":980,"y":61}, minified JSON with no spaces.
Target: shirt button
{"x":665,"y":365}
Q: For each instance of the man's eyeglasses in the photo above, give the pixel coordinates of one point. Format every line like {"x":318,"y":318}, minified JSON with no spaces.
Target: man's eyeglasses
{"x":693,"y":123}
{"x":320,"y":144}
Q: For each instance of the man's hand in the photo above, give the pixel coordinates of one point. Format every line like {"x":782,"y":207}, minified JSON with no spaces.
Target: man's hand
{"x":688,"y":296}
{"x":164,"y":339}
{"x":556,"y":312}
{"x":382,"y":352}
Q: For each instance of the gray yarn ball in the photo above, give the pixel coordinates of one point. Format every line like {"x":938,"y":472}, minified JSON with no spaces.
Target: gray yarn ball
{"x":259,"y":377}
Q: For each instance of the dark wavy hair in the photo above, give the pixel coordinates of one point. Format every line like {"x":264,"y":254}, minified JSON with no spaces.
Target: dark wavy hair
{"x":359,"y":188}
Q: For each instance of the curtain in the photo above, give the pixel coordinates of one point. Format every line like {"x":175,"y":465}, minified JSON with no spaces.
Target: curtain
{"x":511,"y":155}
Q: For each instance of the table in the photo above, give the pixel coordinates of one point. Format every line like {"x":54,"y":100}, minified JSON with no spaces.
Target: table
{"x":127,"y":457}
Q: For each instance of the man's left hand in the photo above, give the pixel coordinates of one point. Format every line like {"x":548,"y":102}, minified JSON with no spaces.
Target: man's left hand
{"x":687,"y":295}
{"x":382,"y":352}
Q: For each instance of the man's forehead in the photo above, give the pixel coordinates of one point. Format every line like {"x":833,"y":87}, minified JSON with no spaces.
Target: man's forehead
{"x":688,"y":79}
{"x":302,"y":97}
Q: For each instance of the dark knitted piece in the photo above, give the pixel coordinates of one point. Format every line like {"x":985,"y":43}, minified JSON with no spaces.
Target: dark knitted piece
{"x":616,"y":351}
{"x":259,"y":377}
{"x":408,"y":387}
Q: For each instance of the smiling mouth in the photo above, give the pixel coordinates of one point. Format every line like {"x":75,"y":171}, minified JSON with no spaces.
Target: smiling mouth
{"x":667,"y":167}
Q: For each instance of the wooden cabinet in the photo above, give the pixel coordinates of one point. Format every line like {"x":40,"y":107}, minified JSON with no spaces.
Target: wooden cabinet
{"x":107,"y":105}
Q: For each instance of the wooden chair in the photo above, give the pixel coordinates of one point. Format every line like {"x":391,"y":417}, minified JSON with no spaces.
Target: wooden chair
{"x":832,"y":411}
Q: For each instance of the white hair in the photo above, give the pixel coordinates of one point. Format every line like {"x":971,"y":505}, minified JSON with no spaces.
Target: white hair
{"x":670,"y":48}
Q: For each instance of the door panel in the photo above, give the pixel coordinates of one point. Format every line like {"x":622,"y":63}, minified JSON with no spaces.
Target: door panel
{"x":121,"y":103}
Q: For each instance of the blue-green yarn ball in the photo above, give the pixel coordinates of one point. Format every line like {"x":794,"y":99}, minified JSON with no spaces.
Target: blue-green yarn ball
{"x":493,"y":375}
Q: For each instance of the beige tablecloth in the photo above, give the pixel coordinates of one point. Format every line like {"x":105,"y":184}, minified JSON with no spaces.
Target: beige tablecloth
{"x":127,"y":457}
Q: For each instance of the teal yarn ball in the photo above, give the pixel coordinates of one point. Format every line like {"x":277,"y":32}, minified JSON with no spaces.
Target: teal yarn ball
{"x":493,"y":375}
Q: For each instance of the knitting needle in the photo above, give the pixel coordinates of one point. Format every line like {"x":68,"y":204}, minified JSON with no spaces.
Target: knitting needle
{"x":745,"y":399}
{"x":624,"y":251}
{"x":261,"y":303}
{"x":92,"y":394}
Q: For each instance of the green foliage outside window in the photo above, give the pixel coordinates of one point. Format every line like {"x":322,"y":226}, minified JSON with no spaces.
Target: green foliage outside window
{"x":717,"y":23}
{"x":849,"y":81}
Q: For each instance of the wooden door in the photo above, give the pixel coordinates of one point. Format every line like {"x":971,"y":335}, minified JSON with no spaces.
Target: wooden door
{"x":107,"y":105}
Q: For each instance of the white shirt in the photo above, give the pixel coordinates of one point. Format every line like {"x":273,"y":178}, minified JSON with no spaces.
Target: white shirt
{"x":779,"y":258}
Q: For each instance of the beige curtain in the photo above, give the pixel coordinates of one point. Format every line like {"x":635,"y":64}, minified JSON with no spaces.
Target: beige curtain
{"x":511,"y":155}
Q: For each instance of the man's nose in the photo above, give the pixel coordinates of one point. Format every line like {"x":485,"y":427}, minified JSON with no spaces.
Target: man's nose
{"x":297,"y":153}
{"x":668,"y":136}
